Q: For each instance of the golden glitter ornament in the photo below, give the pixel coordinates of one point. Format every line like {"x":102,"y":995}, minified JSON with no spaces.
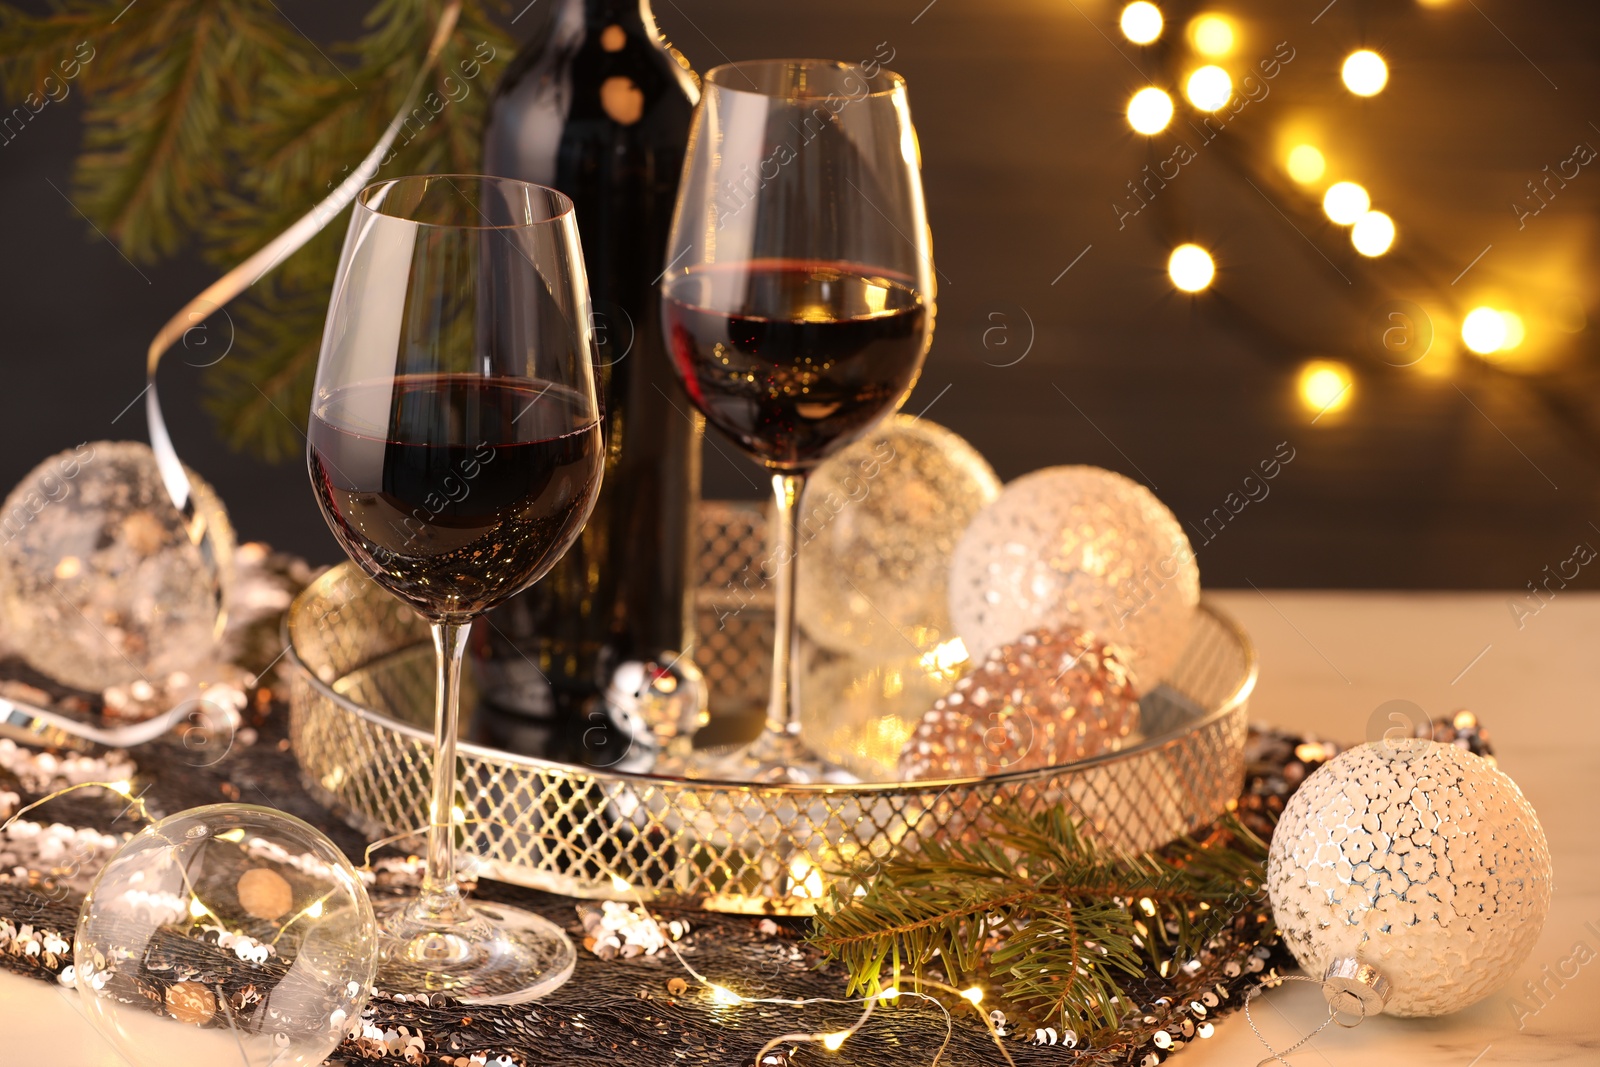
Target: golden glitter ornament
{"x":1049,"y":697}
{"x":882,"y":519}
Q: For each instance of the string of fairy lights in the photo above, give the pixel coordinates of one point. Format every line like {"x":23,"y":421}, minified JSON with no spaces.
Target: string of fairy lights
{"x":1209,"y":39}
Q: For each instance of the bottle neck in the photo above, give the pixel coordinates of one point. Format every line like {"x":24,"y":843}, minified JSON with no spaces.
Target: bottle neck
{"x":628,"y":13}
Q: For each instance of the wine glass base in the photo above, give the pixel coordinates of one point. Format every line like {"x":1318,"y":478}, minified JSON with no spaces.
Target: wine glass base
{"x":494,"y":955}
{"x":781,"y":759}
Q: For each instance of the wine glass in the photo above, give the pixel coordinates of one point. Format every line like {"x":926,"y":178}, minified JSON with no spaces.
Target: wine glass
{"x":798,"y":296}
{"x":454,"y":447}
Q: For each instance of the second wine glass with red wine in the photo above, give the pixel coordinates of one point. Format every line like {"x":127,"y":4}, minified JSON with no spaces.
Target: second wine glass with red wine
{"x":455,"y":450}
{"x":798,"y":297}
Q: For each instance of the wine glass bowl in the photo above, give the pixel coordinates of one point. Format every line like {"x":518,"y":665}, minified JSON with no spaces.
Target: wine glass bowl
{"x":798,"y":296}
{"x":454,"y":448}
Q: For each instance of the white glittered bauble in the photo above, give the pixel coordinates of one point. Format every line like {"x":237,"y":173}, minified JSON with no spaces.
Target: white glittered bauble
{"x":1077,"y":546}
{"x":103,"y":581}
{"x":883,"y":518}
{"x":1419,"y":859}
{"x":227,"y":934}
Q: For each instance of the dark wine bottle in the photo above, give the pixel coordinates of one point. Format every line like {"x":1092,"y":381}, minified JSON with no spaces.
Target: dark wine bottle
{"x":597,"y":105}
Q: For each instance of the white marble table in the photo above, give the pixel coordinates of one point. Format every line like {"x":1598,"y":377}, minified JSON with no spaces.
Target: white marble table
{"x":1327,"y":661}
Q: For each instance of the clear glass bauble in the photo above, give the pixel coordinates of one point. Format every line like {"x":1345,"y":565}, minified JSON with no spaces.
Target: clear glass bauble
{"x":102,"y":581}
{"x":858,"y":713}
{"x":226,"y":936}
{"x":881,"y":521}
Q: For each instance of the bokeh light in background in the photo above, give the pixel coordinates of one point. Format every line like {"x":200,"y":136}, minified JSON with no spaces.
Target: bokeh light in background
{"x":1324,"y":386}
{"x":1209,"y":88}
{"x":1211,"y":35}
{"x":1141,"y":22}
{"x":1365,"y":73}
{"x":1486,"y":331}
{"x":1515,"y":330}
{"x":1373,"y":233}
{"x":1191,"y":268}
{"x":1305,"y":164}
{"x":1345,"y":202}
{"x":1150,"y":110}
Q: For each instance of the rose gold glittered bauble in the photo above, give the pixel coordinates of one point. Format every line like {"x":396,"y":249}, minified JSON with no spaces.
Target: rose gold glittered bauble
{"x":1049,"y":697}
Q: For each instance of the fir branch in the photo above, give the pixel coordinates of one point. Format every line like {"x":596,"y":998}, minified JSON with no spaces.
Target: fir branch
{"x":1039,"y":915}
{"x":301,"y":140}
{"x":261,"y":393}
{"x":153,"y":156}
{"x":32,"y":48}
{"x":215,"y":120}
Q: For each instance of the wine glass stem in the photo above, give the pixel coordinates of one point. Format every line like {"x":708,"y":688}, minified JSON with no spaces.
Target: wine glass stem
{"x":783,"y":707}
{"x":441,"y":896}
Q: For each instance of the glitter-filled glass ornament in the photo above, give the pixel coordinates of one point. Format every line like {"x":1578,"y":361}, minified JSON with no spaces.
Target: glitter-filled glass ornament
{"x":859,"y":713}
{"x":884,"y":516}
{"x":102,"y":581}
{"x":226,"y":935}
{"x":1048,"y":698}
{"x":1078,"y":546}
{"x":1413,"y":876}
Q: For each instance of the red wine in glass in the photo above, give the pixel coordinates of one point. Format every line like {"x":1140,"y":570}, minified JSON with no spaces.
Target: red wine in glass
{"x":455,"y":492}
{"x":797,"y":301}
{"x":834,"y":347}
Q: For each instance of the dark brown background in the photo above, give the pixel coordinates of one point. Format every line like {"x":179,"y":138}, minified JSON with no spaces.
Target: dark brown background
{"x":1446,"y":474}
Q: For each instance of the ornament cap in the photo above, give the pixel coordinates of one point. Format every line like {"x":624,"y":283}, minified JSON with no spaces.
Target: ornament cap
{"x":1354,"y":988}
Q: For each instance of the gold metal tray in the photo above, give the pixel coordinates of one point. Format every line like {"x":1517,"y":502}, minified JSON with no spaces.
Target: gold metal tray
{"x":361,"y":707}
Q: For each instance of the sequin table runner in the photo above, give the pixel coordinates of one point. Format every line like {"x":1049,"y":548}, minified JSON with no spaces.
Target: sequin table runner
{"x":625,"y":1009}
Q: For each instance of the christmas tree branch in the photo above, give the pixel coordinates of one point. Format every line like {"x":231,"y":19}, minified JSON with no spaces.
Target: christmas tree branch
{"x":215,"y":123}
{"x":1033,"y":910}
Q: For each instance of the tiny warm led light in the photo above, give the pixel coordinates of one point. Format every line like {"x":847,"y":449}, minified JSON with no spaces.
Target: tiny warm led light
{"x":619,"y":885}
{"x":1305,"y":164}
{"x":1150,"y":110}
{"x":1484,"y":330}
{"x":889,"y":994}
{"x":1209,"y":88}
{"x":831,"y":1042}
{"x":1141,"y":22}
{"x":1147,"y":905}
{"x":723,"y":995}
{"x":1325,"y":385}
{"x":974,"y":994}
{"x":1345,"y":202}
{"x":1365,"y":73}
{"x":122,"y":787}
{"x":196,"y":908}
{"x":315,"y":911}
{"x":1373,"y":233}
{"x":1212,"y":35}
{"x":1191,"y":268}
